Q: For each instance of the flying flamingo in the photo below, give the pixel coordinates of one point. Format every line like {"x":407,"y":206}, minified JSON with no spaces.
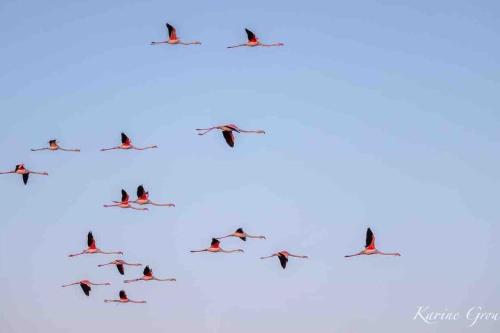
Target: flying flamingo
{"x":173,"y":39}
{"x":370,"y":247}
{"x":119,"y":265}
{"x":241,"y":235}
{"x":253,"y":41}
{"x":21,"y":170}
{"x":227,"y":132}
{"x":124,"y":203}
{"x":283,"y":257}
{"x":214,"y":247}
{"x":53,"y":145}
{"x":127,"y":144}
{"x":123,"y":299}
{"x":148,"y":276}
{"x":85,"y":285}
{"x":143,"y":198}
{"x":92,"y":249}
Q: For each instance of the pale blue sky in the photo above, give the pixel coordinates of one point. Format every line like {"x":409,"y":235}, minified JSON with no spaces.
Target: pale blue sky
{"x":377,"y":114}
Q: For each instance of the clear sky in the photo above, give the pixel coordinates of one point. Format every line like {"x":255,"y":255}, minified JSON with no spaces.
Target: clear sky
{"x":377,"y":113}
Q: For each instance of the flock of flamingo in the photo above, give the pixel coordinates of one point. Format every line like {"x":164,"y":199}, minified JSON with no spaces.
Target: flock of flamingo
{"x":143,"y":198}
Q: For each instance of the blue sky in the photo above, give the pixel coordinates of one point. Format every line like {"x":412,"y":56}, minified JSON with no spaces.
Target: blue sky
{"x":377,"y":114}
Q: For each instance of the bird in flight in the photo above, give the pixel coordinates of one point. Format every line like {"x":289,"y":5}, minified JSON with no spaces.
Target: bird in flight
{"x":241,"y":235}
{"x":120,"y":265}
{"x":215,"y":247}
{"x":92,"y":249}
{"x":227,"y":132}
{"x":21,"y":170}
{"x":148,"y":276}
{"x":283,"y":257}
{"x":86,"y":285}
{"x":124,"y":203}
{"x":123,"y":299}
{"x":53,"y":145}
{"x":127,"y":144}
{"x":173,"y":39}
{"x":143,"y":198}
{"x":253,"y":41}
{"x":370,"y":247}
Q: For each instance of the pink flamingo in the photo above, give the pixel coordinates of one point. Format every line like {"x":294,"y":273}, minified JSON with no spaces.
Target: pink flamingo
{"x":227,"y":132}
{"x":148,"y":276}
{"x":21,"y":170}
{"x":92,"y":249}
{"x":253,"y":41}
{"x":370,"y":247}
{"x":215,"y":247}
{"x":85,"y":285}
{"x":119,"y":265}
{"x":127,"y":144}
{"x":173,"y":39}
{"x":124,"y":203}
{"x":53,"y":145}
{"x":241,"y":235}
{"x":143,"y":198}
{"x":283,"y":257}
{"x":123,"y":299}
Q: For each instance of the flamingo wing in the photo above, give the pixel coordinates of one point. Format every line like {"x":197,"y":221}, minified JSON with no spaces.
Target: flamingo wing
{"x":251,"y":36}
{"x":124,"y":196}
{"x":283,"y":260}
{"x":215,"y":243}
{"x":25,"y":178}
{"x":52,"y":142}
{"x":140,"y":191}
{"x":90,"y":240}
{"x":370,"y":239}
{"x":125,"y":139}
{"x":18,"y":166}
{"x":120,"y":268}
{"x":147,"y":271}
{"x":172,"y":34}
{"x":86,"y":288}
{"x":123,"y":295}
{"x":229,"y":137}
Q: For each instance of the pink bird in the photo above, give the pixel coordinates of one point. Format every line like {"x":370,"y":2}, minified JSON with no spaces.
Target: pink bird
{"x":143,"y":198}
{"x":21,"y":170}
{"x":86,"y":285}
{"x":215,"y":247}
{"x":123,"y":299}
{"x":370,"y":247}
{"x":283,"y":257}
{"x":92,"y":249}
{"x":148,"y":276}
{"x":127,"y":144}
{"x":124,"y":203}
{"x":120,"y":265}
{"x":173,"y":39}
{"x":253,"y":41}
{"x":241,"y":235}
{"x":53,"y":145}
{"x":227,"y":132}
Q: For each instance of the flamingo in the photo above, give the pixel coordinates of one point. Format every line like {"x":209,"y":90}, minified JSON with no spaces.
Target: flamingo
{"x":53,"y":145}
{"x":124,"y":203}
{"x":148,"y":276}
{"x":173,"y":39}
{"x":283,"y":257}
{"x":127,"y":144}
{"x":119,"y":265}
{"x":214,"y":247}
{"x":123,"y":299}
{"x":241,"y":235}
{"x":227,"y":132}
{"x":253,"y":41}
{"x":21,"y":170}
{"x":370,"y":247}
{"x":92,"y":249}
{"x":143,"y":198}
{"x":85,"y":285}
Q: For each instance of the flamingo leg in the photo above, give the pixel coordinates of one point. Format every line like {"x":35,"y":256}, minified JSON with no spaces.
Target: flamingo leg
{"x":149,"y":147}
{"x":135,"y":208}
{"x":259,"y":237}
{"x":297,"y":256}
{"x":138,"y":302}
{"x":164,"y":205}
{"x":388,"y":253}
{"x":190,"y":43}
{"x":231,"y":251}
{"x":64,"y":149}
{"x":101,"y":284}
{"x":111,"y":252}
{"x":172,"y":279}
{"x":38,"y":173}
{"x":275,"y":44}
